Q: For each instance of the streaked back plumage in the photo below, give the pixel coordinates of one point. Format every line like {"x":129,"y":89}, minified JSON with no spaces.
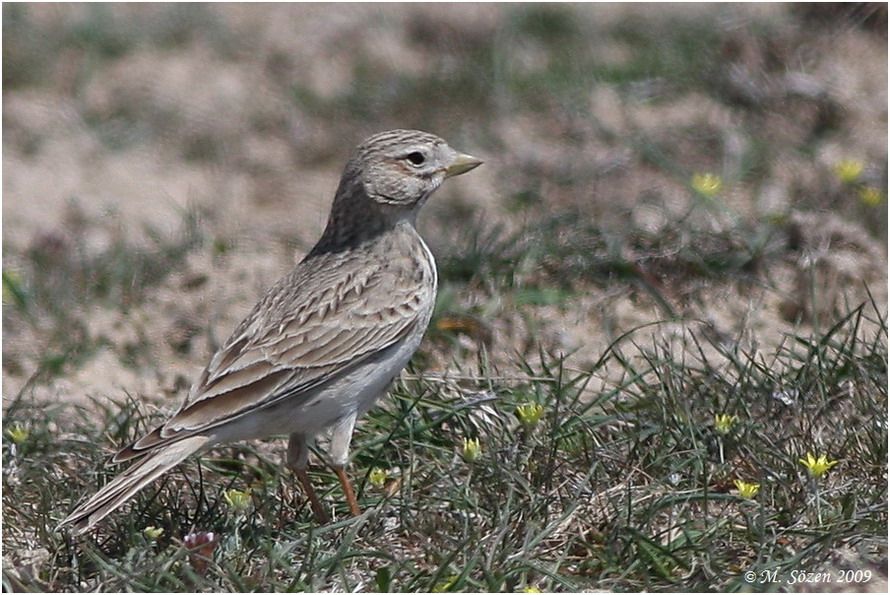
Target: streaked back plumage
{"x":366,"y":288}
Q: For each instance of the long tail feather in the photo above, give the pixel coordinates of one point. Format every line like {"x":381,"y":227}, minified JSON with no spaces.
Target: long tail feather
{"x":136,"y":477}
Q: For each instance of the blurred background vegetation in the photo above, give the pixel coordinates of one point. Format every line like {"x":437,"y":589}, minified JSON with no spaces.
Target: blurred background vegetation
{"x":720,"y":170}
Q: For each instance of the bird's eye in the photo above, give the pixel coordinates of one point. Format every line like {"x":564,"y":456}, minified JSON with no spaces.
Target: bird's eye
{"x":416,"y":158}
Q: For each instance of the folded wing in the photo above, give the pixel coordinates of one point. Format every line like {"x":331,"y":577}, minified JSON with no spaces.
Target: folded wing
{"x":306,"y":331}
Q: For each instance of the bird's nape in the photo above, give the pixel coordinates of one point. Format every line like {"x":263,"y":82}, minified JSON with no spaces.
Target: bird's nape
{"x":326,"y":340}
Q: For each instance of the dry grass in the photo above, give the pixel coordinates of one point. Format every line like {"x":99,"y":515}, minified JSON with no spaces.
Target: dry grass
{"x":164,"y":164}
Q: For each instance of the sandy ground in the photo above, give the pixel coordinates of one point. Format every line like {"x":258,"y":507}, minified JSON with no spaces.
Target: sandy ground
{"x":274,"y":166}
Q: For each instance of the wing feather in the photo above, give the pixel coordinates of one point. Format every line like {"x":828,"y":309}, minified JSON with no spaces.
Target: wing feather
{"x":292,"y":343}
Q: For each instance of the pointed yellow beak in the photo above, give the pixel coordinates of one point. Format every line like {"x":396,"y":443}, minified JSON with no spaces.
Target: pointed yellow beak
{"x":461,"y":165}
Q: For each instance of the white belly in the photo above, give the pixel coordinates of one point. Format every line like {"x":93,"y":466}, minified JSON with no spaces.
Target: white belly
{"x":353,"y":392}
{"x":313,"y":412}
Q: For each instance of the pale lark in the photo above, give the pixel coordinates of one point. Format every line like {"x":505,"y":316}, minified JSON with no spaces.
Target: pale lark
{"x":326,"y":340}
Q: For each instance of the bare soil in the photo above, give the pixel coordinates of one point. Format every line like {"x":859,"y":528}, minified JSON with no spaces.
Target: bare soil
{"x":200,"y":111}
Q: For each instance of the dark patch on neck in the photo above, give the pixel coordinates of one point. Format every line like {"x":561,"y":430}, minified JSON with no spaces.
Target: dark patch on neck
{"x":354,"y":220}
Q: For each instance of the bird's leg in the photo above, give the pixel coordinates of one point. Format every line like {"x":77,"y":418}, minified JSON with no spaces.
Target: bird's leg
{"x":298,"y":460}
{"x":341,"y":436}
{"x":347,"y":489}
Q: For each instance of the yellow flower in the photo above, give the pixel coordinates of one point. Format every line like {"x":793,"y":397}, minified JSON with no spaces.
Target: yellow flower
{"x":446,"y":585}
{"x":377,"y":477}
{"x":871,"y":197}
{"x":18,"y":433}
{"x":530,"y":414}
{"x":472,"y":450}
{"x":747,"y":490}
{"x":237,"y":500}
{"x":707,"y":184}
{"x":531,"y":589}
{"x":152,"y":533}
{"x":817,"y":467}
{"x":723,"y":423}
{"x":848,"y":170}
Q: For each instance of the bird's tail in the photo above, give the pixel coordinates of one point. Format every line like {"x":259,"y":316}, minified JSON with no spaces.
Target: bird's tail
{"x":136,"y":477}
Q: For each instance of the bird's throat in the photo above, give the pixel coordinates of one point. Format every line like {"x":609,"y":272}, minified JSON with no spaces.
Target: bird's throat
{"x":355,"y":219}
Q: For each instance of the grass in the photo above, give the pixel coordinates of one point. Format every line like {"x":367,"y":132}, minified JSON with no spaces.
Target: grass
{"x":562,"y":255}
{"x":99,"y":35}
{"x":484,"y":77}
{"x":626,"y":482}
{"x":627,"y":486}
{"x":59,"y":277}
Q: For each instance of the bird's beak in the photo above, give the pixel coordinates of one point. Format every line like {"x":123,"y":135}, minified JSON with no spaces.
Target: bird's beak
{"x":462,"y":164}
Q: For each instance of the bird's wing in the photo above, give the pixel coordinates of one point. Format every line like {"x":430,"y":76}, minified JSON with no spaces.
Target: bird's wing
{"x":315,"y":324}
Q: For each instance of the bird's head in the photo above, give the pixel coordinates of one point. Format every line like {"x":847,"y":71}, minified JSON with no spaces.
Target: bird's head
{"x":386,"y":181}
{"x":402,"y":168}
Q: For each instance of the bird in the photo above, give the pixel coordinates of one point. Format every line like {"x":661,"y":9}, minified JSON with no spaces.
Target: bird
{"x":323,"y":343}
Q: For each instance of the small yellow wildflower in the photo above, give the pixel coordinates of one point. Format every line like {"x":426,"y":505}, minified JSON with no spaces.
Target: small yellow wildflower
{"x":377,"y":477}
{"x":871,"y":197}
{"x":237,"y":500}
{"x":531,"y":589}
{"x":152,"y":533}
{"x":18,"y":433}
{"x":723,"y":423}
{"x":446,"y":585}
{"x":708,"y":185}
{"x":747,"y":490}
{"x":848,"y":170}
{"x":472,"y":450}
{"x":817,"y":467}
{"x":530,"y":414}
